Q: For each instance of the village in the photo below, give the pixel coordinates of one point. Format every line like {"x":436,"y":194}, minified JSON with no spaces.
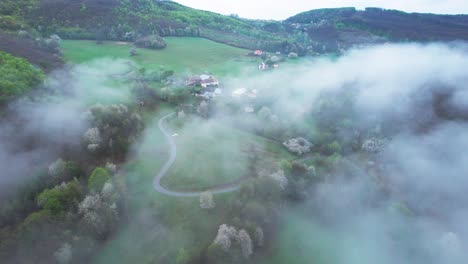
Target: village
{"x":207,"y":86}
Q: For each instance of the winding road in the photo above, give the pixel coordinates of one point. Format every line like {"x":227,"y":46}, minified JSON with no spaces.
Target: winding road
{"x":172,"y":157}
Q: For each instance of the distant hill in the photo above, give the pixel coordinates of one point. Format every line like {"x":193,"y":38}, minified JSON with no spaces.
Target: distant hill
{"x":344,"y":27}
{"x":316,"y":31}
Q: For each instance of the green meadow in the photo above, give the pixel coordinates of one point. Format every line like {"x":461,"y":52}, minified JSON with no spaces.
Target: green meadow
{"x":182,"y":55}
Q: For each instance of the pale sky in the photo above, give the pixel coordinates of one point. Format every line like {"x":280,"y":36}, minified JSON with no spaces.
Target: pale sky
{"x":282,"y":9}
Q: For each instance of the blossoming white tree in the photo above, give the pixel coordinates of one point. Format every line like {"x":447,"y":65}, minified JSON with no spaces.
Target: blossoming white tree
{"x":57,"y":168}
{"x":298,"y":145}
{"x":245,"y":242}
{"x":63,"y":255}
{"x":259,"y":236}
{"x":280,"y":178}
{"x":207,"y":201}
{"x":225,"y":235}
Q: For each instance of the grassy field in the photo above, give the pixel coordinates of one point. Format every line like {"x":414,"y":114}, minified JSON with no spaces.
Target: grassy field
{"x":183,"y":55}
{"x":160,"y":226}
{"x":210,"y":153}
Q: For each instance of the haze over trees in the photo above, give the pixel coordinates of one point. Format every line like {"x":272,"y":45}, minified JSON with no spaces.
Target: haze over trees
{"x":124,"y":155}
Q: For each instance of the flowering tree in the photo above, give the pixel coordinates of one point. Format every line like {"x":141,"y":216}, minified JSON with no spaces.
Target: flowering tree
{"x":245,"y":242}
{"x":113,"y":129}
{"x":63,"y":255}
{"x":111,"y":167}
{"x":93,"y":139}
{"x":259,"y":236}
{"x":98,"y":215}
{"x":206,"y":201}
{"x":373,"y":145}
{"x":225,"y":235}
{"x":57,"y":168}
{"x":298,"y":145}
{"x":203,"y":109}
{"x":280,"y":178}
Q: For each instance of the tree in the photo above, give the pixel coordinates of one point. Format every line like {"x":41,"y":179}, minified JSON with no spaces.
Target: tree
{"x":63,"y":255}
{"x":259,"y":236}
{"x":93,"y":139}
{"x":206,"y":201}
{"x":280,"y":179}
{"x":373,"y":145}
{"x":225,"y":235}
{"x":133,"y":52}
{"x":60,"y":198}
{"x":265,"y":113}
{"x":57,"y":168}
{"x":98,"y":178}
{"x":183,"y":257}
{"x":203,"y":109}
{"x":17,"y":77}
{"x":98,"y":215}
{"x":298,"y":145}
{"x":245,"y":242}
{"x":114,"y":128}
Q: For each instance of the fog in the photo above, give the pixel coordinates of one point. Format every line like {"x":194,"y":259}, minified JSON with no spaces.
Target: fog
{"x":402,"y":204}
{"x":420,"y":92}
{"x":39,"y":128}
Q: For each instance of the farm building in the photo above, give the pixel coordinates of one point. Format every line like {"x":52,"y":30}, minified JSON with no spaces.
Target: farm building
{"x":203,"y":80}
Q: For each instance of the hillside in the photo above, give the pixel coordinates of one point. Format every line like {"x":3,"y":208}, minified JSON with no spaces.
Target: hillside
{"x":126,"y":20}
{"x":315,"y":31}
{"x":337,"y":28}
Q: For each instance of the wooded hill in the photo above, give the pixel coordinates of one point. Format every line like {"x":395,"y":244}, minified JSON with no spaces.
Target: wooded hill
{"x":344,"y":27}
{"x":316,"y":31}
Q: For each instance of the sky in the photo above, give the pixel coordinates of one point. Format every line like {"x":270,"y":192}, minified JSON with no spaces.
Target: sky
{"x":282,"y":9}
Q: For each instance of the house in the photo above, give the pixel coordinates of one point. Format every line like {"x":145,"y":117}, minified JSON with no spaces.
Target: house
{"x":209,"y":82}
{"x":203,"y":80}
{"x":258,"y":53}
{"x":193,"y":81}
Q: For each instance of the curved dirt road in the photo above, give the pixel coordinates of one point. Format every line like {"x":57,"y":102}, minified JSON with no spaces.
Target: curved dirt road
{"x":172,"y":157}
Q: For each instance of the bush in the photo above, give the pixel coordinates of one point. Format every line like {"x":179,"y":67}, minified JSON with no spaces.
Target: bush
{"x":97,"y":179}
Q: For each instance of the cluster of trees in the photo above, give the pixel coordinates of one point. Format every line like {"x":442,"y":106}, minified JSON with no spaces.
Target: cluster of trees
{"x":113,"y":129}
{"x":70,"y":207}
{"x":151,"y":42}
{"x":68,"y":219}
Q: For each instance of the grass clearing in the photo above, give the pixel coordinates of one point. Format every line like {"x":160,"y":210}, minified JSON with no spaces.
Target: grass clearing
{"x":210,"y":153}
{"x":178,"y":222}
{"x":182,"y":55}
